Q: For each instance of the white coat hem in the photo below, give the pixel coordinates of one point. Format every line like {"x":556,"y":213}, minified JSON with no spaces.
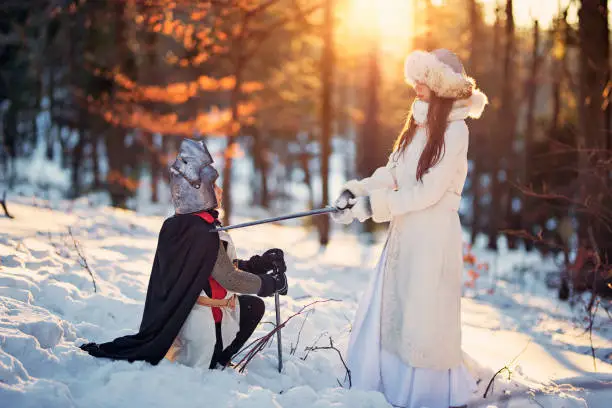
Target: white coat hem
{"x":375,"y":369}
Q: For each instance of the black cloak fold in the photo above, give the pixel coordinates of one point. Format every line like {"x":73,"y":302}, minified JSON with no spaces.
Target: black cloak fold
{"x":185,"y":257}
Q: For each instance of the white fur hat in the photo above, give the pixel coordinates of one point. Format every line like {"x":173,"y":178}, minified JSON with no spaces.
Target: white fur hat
{"x":441,"y":70}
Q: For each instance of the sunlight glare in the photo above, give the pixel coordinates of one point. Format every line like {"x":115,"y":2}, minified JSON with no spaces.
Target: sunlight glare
{"x":391,"y":19}
{"x":526,"y":10}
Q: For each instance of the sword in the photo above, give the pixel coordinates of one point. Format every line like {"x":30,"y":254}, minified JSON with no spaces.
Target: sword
{"x":320,"y":211}
{"x":278,"y":332}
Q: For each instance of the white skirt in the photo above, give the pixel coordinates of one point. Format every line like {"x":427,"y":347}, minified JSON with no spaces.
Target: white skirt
{"x":197,"y":337}
{"x":374,"y":369}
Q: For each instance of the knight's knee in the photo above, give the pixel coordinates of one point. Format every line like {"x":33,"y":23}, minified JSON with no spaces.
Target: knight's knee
{"x":259,"y":307}
{"x":252,"y":306}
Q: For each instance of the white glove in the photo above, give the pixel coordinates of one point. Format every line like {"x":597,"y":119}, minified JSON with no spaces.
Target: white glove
{"x":361,"y":208}
{"x":342,"y":202}
{"x":343,"y":217}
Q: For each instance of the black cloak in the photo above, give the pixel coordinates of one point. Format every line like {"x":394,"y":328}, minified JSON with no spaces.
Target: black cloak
{"x":185,"y":257}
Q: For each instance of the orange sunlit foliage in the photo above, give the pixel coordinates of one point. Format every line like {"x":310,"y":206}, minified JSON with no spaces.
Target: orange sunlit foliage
{"x":469,"y":258}
{"x":116,"y":178}
{"x":214,"y":122}
{"x":233,"y":151}
{"x":476,"y":269}
{"x":357,"y":115}
{"x":180,"y":92}
{"x":253,"y":86}
{"x":197,"y":32}
{"x":198,"y":15}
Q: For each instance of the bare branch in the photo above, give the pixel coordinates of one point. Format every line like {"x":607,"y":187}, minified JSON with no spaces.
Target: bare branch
{"x":309,"y":349}
{"x":294,"y":349}
{"x":258,"y":344}
{"x":591,"y":323}
{"x":490,"y":385}
{"x":593,"y":311}
{"x":505,"y":368}
{"x":260,"y":36}
{"x":332,"y":347}
{"x":3,"y":203}
{"x":586,"y":206}
{"x":260,"y":8}
{"x":82,"y":259}
{"x":535,"y":238}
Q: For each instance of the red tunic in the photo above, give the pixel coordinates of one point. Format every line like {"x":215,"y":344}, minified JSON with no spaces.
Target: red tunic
{"x":218,"y":291}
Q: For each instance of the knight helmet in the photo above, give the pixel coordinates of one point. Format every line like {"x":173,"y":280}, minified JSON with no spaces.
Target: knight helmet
{"x":192,"y":178}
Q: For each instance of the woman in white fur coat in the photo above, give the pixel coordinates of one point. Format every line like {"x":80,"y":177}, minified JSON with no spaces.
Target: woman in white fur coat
{"x":406,"y":339}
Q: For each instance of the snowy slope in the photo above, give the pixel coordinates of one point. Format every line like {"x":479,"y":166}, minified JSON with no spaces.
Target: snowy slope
{"x":48,"y":307}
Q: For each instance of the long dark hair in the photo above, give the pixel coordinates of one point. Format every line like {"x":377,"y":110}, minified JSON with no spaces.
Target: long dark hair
{"x":437,"y":121}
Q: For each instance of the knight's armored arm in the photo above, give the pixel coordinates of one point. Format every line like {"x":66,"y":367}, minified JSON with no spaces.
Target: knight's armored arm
{"x":260,"y":265}
{"x":233,"y":279}
{"x":256,"y":264}
{"x":239,"y":281}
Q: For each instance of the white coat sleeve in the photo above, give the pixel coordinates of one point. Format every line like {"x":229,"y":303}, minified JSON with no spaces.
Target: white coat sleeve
{"x":387,"y":203}
{"x":381,"y":178}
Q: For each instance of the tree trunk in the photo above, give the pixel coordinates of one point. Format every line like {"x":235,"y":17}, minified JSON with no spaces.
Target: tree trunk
{"x":531,"y":88}
{"x":493,"y":225}
{"x":305,"y":163}
{"x":95,"y":160}
{"x":327,"y":69}
{"x":232,"y":134}
{"x":261,"y":166}
{"x":65,"y":151}
{"x":77,"y":160}
{"x":10,"y":140}
{"x":49,"y":134}
{"x":168,"y":148}
{"x":154,"y":165}
{"x":561,"y":41}
{"x":147,"y":72}
{"x":473,"y":65}
{"x":594,"y":114}
{"x":77,"y":153}
{"x":508,"y":121}
{"x":369,"y":146}
{"x":117,"y":180}
{"x":559,"y":70}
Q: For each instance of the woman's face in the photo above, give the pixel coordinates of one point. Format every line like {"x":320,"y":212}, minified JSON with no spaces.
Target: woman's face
{"x":422,"y":91}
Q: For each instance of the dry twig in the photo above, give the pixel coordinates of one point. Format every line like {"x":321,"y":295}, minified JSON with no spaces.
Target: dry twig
{"x":504,"y":368}
{"x":592,"y":311}
{"x":309,"y":349}
{"x":534,"y":238}
{"x":257,"y":345}
{"x":3,"y":203}
{"x":332,"y":347}
{"x":82,"y":259}
{"x":294,"y":348}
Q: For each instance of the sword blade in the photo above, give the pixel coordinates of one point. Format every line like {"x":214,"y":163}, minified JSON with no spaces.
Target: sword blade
{"x":320,"y":211}
{"x":278,"y":333}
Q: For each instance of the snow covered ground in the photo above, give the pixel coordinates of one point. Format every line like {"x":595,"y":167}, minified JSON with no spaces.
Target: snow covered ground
{"x":48,"y":307}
